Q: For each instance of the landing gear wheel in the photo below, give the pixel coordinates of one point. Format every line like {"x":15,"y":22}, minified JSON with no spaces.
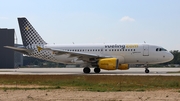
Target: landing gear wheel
{"x":97,"y":70}
{"x":86,"y":70}
{"x":147,"y":71}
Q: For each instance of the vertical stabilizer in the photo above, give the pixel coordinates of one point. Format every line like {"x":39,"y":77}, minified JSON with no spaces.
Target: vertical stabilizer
{"x":29,"y":35}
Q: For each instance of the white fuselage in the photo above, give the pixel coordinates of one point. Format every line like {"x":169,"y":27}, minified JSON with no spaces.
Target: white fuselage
{"x":126,"y":53}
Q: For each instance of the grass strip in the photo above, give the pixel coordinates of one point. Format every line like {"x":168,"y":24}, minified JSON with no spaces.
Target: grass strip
{"x":99,"y":83}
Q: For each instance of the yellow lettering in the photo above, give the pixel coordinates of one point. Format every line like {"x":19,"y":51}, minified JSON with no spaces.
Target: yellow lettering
{"x":132,"y":46}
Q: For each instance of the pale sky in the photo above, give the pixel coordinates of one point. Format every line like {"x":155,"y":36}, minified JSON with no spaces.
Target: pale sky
{"x":97,"y":21}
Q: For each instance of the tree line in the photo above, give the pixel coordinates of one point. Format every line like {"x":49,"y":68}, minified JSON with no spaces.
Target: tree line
{"x":176,"y":59}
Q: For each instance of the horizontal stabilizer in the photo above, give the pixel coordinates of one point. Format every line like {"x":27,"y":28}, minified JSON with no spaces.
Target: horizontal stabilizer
{"x":19,"y":49}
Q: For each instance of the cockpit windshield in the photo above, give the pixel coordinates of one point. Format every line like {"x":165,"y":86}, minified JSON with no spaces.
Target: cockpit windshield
{"x":160,"y":49}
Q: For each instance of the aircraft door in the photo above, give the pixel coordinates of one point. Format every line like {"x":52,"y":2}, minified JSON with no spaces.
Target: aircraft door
{"x":145,"y":50}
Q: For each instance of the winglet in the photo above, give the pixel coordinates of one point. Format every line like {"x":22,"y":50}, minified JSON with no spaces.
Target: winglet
{"x":39,"y":48}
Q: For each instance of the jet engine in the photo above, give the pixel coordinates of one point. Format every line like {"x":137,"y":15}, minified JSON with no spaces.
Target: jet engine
{"x":111,"y":64}
{"x":123,"y":66}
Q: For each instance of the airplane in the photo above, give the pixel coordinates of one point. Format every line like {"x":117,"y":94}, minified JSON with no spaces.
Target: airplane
{"x":107,"y":56}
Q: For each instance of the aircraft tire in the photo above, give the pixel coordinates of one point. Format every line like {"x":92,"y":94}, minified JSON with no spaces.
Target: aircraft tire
{"x":97,"y":70}
{"x":86,"y":70}
{"x":147,"y":71}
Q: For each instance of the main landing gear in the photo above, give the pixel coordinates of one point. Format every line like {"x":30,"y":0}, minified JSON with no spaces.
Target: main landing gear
{"x":88,"y":70}
{"x":97,"y":70}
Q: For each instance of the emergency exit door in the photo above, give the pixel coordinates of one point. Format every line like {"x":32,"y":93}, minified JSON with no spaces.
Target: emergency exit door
{"x":145,"y":50}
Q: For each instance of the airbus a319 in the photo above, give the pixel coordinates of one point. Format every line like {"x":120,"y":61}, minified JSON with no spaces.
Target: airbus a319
{"x":109,"y":56}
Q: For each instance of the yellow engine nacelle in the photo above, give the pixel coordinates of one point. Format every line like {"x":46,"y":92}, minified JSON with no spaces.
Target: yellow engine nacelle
{"x":108,"y":63}
{"x":123,"y":66}
{"x":112,"y":64}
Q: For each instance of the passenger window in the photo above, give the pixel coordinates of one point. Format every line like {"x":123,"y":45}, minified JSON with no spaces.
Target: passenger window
{"x":156,"y":49}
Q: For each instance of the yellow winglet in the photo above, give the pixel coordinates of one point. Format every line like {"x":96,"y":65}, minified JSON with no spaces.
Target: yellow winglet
{"x":39,"y":48}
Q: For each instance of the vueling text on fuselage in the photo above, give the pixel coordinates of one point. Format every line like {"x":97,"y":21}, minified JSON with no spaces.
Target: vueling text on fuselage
{"x":122,"y":46}
{"x":115,"y":46}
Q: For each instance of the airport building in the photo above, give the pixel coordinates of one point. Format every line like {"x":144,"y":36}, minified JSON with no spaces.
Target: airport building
{"x":9,"y":58}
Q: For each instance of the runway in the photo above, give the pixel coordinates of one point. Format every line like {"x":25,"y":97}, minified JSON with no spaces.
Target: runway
{"x":79,"y":71}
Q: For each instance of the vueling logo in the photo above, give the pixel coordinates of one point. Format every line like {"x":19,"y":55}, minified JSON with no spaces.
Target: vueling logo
{"x":122,"y":46}
{"x":115,"y":46}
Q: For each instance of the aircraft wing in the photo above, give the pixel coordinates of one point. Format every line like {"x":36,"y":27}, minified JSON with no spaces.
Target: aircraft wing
{"x":80,"y":55}
{"x":19,"y":49}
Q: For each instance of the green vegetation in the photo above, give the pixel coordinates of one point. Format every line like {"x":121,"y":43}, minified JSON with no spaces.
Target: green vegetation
{"x":174,"y":72}
{"x":176,"y":59}
{"x":26,"y":88}
{"x":99,"y":83}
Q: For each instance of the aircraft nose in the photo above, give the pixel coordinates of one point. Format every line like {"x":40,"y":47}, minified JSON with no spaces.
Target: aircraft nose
{"x":170,"y":56}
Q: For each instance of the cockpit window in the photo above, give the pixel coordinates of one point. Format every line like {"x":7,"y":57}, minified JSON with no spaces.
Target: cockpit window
{"x":160,"y":49}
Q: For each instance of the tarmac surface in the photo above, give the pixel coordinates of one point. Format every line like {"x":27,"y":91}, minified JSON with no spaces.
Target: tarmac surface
{"x":79,"y":71}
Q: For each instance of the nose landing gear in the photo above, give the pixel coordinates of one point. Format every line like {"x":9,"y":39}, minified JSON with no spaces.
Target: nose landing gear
{"x":146,"y":69}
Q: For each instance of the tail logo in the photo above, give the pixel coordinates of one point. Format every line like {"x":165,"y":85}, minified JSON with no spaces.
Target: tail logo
{"x":27,"y":28}
{"x":39,"y":48}
{"x":29,"y":35}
